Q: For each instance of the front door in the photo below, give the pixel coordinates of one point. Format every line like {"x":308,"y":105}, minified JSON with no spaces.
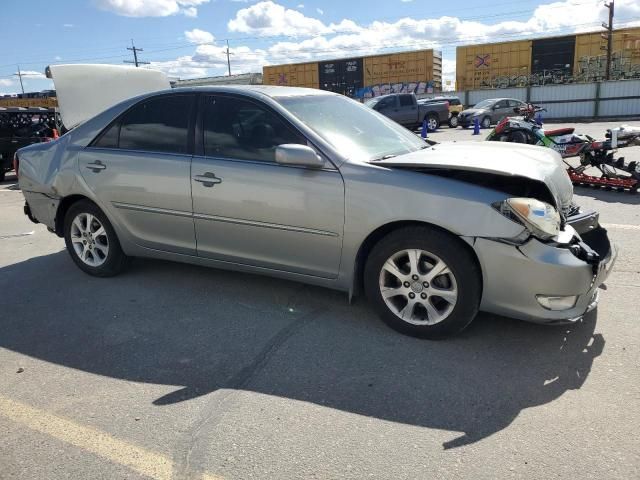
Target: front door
{"x":139,"y":169}
{"x":250,"y":210}
{"x":500,"y":110}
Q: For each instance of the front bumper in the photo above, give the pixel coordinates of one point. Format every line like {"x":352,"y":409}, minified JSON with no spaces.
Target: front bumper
{"x":515,"y":275}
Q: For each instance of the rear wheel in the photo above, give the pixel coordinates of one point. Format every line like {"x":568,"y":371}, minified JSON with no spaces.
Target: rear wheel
{"x":432,"y":122}
{"x":91,"y":240}
{"x":423,"y":282}
{"x":517,"y":137}
{"x":486,"y":122}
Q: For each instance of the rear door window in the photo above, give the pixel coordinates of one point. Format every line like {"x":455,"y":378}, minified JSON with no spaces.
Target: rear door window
{"x":406,"y":100}
{"x":159,"y":124}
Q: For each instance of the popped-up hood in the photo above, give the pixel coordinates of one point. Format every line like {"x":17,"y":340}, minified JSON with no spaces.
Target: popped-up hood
{"x":83,"y":91}
{"x":504,"y":159}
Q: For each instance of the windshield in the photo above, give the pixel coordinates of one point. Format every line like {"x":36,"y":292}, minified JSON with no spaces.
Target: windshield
{"x":484,"y":104}
{"x":355,"y":130}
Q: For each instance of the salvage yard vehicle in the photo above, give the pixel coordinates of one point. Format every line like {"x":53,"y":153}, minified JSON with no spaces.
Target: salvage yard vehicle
{"x":568,"y":143}
{"x":454,"y":104}
{"x":20,"y":127}
{"x":405,"y":110}
{"x":312,"y":186}
{"x":489,"y":112}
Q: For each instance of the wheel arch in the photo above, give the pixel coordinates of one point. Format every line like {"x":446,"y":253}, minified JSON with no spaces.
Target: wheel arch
{"x":382,"y":231}
{"x":63,"y":208}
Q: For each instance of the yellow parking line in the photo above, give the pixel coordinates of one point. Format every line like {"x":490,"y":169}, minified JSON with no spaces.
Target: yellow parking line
{"x":100,"y":443}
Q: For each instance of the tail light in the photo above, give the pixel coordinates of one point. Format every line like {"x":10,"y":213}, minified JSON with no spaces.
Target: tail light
{"x":16,"y":163}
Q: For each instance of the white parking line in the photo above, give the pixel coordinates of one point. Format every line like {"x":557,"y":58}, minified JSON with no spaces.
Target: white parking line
{"x":621,"y":226}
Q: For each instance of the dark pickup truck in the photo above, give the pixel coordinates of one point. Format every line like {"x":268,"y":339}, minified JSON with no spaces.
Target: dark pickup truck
{"x":404,"y":109}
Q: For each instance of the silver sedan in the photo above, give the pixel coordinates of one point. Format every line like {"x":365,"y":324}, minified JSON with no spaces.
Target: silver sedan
{"x":314,"y":187}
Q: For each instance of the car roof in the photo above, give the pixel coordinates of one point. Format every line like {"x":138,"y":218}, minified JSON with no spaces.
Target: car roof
{"x":272,"y":91}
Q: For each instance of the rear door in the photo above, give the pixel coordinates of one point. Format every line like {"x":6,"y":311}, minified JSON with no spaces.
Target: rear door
{"x":250,"y":210}
{"x":139,"y":169}
{"x":408,"y":110}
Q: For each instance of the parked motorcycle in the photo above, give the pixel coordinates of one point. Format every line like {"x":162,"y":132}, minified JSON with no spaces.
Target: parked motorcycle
{"x":592,"y":153}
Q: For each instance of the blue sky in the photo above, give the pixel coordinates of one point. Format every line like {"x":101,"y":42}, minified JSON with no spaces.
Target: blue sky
{"x":186,"y":38}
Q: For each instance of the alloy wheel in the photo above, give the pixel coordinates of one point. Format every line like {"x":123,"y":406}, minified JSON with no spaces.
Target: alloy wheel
{"x":418,"y":287}
{"x":89,"y":239}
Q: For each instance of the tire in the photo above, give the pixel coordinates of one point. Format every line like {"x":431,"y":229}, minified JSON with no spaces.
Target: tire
{"x":518,"y":136}
{"x":432,"y":122}
{"x":462,"y":280}
{"x":485,"y":123}
{"x":99,"y":246}
{"x":453,"y":121}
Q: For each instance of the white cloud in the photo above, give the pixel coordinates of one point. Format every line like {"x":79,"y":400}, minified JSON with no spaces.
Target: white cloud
{"x":406,"y":1}
{"x":334,"y":40}
{"x":6,"y":82}
{"x":68,"y":25}
{"x":300,"y":6}
{"x":150,"y":8}
{"x":57,"y":58}
{"x":199,"y":36}
{"x":320,"y":11}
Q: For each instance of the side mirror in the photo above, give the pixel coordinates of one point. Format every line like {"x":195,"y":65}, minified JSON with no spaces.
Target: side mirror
{"x":300,"y":155}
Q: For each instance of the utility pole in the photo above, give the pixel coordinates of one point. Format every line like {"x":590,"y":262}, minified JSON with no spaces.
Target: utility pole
{"x":135,"y":51}
{"x":19,"y":75}
{"x":228,"y":59}
{"x":609,"y":37}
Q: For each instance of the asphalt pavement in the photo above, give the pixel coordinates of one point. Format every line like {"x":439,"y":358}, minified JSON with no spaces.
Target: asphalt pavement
{"x":175,"y":371}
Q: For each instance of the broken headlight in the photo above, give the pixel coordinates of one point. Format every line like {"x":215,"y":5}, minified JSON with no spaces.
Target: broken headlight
{"x":540,"y":218}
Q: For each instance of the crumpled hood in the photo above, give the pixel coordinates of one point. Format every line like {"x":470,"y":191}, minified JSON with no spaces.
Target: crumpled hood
{"x":508,"y":159}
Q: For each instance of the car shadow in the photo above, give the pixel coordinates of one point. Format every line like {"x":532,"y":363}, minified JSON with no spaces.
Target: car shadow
{"x":205,"y":329}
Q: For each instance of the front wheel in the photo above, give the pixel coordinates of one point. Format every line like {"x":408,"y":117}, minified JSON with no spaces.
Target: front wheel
{"x":423,"y":282}
{"x":453,"y":122}
{"x":91,"y":240}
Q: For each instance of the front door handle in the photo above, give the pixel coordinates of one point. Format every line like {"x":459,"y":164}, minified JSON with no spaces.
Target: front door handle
{"x":96,"y":166}
{"x":209,"y":179}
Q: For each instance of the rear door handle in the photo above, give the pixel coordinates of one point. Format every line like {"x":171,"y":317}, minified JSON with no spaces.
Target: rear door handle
{"x":96,"y":166}
{"x":209,"y":179}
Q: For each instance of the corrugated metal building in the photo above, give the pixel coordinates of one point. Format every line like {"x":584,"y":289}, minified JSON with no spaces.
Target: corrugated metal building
{"x":364,"y":76}
{"x":575,"y":58}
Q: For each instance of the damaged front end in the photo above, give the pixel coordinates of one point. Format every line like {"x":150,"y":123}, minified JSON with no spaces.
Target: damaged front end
{"x":549,"y":272}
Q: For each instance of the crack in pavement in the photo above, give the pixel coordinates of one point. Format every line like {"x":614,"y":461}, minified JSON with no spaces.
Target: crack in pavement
{"x":238,"y":382}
